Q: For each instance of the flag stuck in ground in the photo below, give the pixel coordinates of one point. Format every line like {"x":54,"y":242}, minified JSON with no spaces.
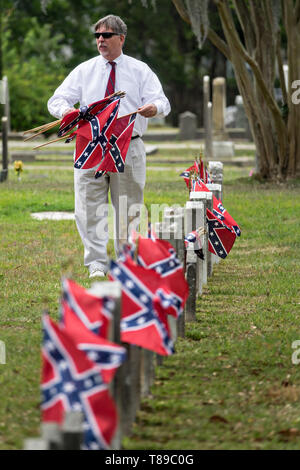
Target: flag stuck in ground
{"x":71,"y":381}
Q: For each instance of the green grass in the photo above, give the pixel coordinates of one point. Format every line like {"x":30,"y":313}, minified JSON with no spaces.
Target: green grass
{"x":231,"y":383}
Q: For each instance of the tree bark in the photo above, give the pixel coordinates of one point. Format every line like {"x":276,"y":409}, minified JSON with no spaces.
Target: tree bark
{"x":292,"y":27}
{"x":276,"y":137}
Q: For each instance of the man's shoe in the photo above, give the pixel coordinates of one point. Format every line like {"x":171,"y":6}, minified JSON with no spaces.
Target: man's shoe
{"x":97,"y":273}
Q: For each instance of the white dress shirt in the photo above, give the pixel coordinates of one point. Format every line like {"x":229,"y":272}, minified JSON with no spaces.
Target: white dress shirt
{"x":87,"y":84}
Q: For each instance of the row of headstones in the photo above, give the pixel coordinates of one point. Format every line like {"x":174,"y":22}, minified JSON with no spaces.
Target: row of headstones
{"x":136,"y":375}
{"x":178,"y":222}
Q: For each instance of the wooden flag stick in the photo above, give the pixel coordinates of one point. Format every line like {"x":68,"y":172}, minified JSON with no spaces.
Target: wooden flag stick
{"x":117,"y":93}
{"x":53,"y":123}
{"x":47,"y":128}
{"x":51,"y":142}
{"x":129,"y":114}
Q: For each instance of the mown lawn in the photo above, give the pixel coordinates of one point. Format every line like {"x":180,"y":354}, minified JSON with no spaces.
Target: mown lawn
{"x":231,"y":383}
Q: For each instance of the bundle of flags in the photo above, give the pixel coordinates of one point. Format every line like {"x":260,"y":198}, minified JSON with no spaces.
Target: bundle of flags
{"x":222,"y":228}
{"x":101,"y":137}
{"x":195,"y":174}
{"x":79,"y":362}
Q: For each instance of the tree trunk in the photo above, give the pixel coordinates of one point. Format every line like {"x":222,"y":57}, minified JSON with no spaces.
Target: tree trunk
{"x":277,"y":138}
{"x":291,"y":14}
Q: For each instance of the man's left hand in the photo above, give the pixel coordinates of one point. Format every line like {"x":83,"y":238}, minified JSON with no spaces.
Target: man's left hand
{"x":148,"y":110}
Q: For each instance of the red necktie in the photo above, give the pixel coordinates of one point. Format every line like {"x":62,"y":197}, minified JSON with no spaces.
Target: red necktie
{"x":110,"y":87}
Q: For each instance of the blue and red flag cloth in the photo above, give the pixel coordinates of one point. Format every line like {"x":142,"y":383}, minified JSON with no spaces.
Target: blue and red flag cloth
{"x":93,"y":138}
{"x":83,"y":115}
{"x":95,"y":313}
{"x":71,"y":381}
{"x":221,"y":213}
{"x":196,"y":173}
{"x":160,"y":256}
{"x":198,"y":185}
{"x":115,"y":153}
{"x":145,"y":307}
{"x":106,"y":354}
{"x":218,"y":209}
{"x":208,"y":179}
{"x":194,"y":237}
{"x":220,"y":237}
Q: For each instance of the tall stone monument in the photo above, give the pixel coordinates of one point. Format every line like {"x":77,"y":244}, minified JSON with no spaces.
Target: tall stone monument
{"x":219,"y":106}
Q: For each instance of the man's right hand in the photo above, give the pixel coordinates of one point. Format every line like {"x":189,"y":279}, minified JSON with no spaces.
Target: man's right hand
{"x":69,"y":110}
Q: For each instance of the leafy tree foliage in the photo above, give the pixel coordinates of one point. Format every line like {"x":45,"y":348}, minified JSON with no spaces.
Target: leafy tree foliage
{"x":33,"y":71}
{"x":42,"y":40}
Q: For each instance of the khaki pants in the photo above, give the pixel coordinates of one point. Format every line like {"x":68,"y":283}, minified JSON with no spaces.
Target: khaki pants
{"x":91,"y":204}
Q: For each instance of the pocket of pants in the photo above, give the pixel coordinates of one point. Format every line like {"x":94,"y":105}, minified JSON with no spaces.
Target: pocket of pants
{"x":138,"y":153}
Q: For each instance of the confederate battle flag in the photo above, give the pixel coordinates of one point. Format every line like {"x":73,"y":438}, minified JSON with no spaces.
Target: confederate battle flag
{"x":71,"y":381}
{"x":145,"y":305}
{"x":116,"y":151}
{"x":220,"y":237}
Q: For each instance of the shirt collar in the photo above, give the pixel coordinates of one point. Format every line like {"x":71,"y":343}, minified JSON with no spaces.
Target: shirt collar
{"x":117,"y":60}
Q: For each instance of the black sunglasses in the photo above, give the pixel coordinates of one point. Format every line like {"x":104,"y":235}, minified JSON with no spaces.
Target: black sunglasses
{"x":105,"y":35}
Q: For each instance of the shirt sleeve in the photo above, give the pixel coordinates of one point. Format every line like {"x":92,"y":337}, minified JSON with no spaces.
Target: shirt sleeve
{"x":152,"y":92}
{"x":66,"y":95}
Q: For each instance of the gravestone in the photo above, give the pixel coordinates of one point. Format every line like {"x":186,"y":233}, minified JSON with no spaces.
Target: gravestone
{"x":223,"y":149}
{"x":191,"y":277}
{"x":174,"y":218}
{"x":113,"y":289}
{"x":218,"y":112}
{"x":172,"y":230}
{"x":187,"y":125}
{"x":215,"y":170}
{"x":196,"y":197}
{"x":216,"y":189}
{"x":207,"y":117}
{"x":147,"y":371}
{"x":230,"y":117}
{"x":195,"y":217}
{"x":209,"y":144}
{"x":158,"y":121}
{"x":72,"y":430}
{"x":241,"y":118}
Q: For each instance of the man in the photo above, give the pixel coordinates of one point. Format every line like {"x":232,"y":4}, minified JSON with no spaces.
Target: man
{"x":90,"y":82}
